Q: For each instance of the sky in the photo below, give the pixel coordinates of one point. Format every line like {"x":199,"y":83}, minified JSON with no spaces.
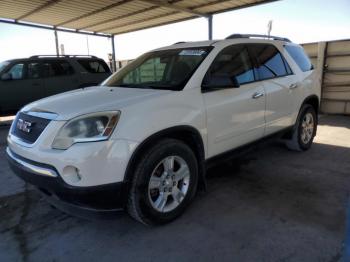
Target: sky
{"x":302,"y":21}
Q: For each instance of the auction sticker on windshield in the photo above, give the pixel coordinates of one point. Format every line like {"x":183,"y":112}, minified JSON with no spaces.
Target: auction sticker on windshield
{"x":193,"y":52}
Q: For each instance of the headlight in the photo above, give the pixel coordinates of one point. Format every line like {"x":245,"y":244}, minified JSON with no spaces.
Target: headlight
{"x":86,"y":128}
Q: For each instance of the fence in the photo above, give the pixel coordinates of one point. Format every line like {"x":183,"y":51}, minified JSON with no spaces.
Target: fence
{"x":332,"y":59}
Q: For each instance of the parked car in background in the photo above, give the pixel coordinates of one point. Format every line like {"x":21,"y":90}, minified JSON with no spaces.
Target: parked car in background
{"x":25,"y":80}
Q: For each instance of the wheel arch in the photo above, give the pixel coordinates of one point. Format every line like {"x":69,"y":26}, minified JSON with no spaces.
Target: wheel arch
{"x":187,"y":134}
{"x":312,"y":100}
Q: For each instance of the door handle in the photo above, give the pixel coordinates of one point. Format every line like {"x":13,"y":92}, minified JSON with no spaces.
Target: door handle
{"x":257,"y":95}
{"x":293,"y":86}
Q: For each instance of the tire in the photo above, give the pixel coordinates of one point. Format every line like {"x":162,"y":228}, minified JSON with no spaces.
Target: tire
{"x":304,"y":131}
{"x":166,"y":197}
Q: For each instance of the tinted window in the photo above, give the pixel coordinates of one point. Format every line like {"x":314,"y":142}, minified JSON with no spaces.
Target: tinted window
{"x":299,"y":56}
{"x":33,"y":70}
{"x":270,"y":63}
{"x":94,"y":66}
{"x":233,"y":62}
{"x":57,"y":68}
{"x":3,"y":65}
{"x":164,"y":69}
{"x":17,"y":71}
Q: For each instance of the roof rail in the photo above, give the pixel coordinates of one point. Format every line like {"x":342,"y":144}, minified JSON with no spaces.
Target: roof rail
{"x":92,"y":56}
{"x":38,"y":56}
{"x":236,"y":36}
{"x":181,"y":42}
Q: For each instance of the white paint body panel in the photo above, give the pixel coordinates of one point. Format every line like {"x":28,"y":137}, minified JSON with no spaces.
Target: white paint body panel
{"x":98,"y":162}
{"x":234,"y":118}
{"x":225,"y":119}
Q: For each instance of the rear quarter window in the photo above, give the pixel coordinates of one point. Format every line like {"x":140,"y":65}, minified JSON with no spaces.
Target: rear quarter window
{"x":300,"y":57}
{"x":94,"y":66}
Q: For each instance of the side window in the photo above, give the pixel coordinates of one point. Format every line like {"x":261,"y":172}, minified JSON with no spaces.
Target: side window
{"x":150,"y":71}
{"x":94,"y":66}
{"x":270,"y":63}
{"x":33,"y":70}
{"x":299,"y":56}
{"x":57,"y":68}
{"x":234,"y":62}
{"x":17,"y":71}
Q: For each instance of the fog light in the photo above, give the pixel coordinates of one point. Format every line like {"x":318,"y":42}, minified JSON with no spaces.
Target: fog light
{"x":71,"y":174}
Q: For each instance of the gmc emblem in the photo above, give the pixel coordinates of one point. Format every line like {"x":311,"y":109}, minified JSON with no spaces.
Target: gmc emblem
{"x":24,"y":126}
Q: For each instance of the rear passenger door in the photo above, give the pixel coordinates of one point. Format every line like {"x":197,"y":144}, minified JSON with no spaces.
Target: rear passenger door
{"x":59,"y":77}
{"x":235,"y":116}
{"x":278,"y":80}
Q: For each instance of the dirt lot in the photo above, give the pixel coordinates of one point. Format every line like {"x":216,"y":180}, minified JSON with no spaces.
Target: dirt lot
{"x":270,"y":205}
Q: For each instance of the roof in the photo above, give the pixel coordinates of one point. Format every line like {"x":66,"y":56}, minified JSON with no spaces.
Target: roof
{"x":243,"y":39}
{"x":114,"y":16}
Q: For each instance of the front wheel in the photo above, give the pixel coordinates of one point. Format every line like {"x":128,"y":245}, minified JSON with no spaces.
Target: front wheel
{"x":164,"y":183}
{"x":304,"y":130}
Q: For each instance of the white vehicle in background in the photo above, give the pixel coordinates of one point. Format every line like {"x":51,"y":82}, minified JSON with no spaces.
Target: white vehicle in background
{"x":143,"y":139}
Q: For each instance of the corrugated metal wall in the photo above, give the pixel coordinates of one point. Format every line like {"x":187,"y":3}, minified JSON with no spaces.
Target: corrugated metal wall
{"x":335,"y":76}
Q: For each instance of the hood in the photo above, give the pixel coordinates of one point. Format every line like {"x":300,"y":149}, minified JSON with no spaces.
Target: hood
{"x":93,"y":99}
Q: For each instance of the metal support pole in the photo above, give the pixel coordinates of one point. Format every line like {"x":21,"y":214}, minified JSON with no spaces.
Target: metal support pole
{"x":114,"y":66}
{"x":56,"y":41}
{"x":210,"y":27}
{"x":321,"y":62}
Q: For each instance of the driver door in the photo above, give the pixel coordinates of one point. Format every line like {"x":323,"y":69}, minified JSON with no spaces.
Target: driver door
{"x":23,"y":85}
{"x":235,"y":116}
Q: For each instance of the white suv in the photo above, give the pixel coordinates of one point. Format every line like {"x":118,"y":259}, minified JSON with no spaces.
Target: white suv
{"x":143,"y":139}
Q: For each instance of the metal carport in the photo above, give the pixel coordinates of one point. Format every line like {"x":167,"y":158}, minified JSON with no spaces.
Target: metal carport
{"x":107,"y":18}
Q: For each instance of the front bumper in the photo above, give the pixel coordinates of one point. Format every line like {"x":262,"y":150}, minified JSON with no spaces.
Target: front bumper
{"x":76,"y":200}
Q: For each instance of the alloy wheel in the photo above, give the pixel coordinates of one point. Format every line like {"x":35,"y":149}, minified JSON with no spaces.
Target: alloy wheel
{"x":169,"y":184}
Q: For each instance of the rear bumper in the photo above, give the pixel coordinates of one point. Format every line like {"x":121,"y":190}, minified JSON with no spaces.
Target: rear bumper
{"x":94,"y":200}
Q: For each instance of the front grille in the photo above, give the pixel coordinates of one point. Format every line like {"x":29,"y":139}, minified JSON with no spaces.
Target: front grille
{"x":28,"y":128}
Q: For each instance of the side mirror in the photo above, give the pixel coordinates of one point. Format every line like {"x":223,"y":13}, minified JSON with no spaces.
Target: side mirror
{"x":216,"y":82}
{"x":6,"y":76}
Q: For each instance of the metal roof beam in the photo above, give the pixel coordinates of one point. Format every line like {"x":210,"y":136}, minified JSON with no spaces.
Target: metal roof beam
{"x":123,"y":16}
{"x":38,"y":9}
{"x":185,"y":19}
{"x":95,"y":12}
{"x":138,"y":21}
{"x":15,"y":22}
{"x":233,"y":8}
{"x":118,"y":18}
{"x":136,"y":13}
{"x":146,"y":27}
{"x":175,"y":7}
{"x":164,"y":15}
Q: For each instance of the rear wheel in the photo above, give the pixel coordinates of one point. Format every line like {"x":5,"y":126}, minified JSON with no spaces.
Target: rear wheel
{"x":164,"y":183}
{"x":304,"y":130}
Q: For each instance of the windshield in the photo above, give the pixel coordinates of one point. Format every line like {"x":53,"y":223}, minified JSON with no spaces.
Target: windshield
{"x":166,"y":69}
{"x":3,"y":65}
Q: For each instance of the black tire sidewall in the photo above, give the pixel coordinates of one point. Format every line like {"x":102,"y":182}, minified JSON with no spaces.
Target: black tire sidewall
{"x":144,"y":172}
{"x":306,"y":109}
